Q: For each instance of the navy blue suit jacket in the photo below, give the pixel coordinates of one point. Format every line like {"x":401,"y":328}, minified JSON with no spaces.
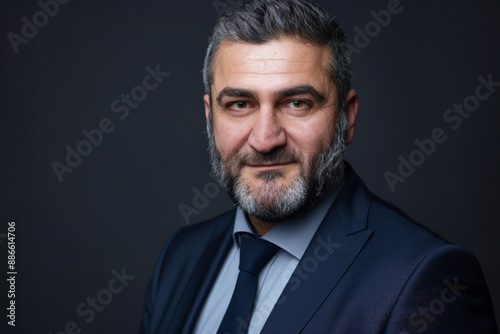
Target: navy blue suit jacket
{"x":368,"y":269}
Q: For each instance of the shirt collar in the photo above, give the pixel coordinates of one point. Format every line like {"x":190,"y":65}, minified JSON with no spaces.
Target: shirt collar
{"x":293,"y":234}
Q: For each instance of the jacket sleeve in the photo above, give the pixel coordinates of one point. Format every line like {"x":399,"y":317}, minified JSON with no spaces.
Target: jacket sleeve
{"x":446,"y":293}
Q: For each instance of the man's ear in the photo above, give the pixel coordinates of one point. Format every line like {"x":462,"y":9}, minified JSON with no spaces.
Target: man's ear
{"x":206,"y":100}
{"x":351,"y":112}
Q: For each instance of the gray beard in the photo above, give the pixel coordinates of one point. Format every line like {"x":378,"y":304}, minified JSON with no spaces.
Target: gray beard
{"x":278,"y":203}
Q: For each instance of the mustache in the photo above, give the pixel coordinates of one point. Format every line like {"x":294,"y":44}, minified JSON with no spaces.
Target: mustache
{"x":278,"y":155}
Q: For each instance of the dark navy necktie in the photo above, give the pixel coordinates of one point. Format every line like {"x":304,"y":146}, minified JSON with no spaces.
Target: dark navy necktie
{"x":255,"y":253}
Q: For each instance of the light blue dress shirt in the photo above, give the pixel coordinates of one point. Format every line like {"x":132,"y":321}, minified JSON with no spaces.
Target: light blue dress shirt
{"x":292,"y":236}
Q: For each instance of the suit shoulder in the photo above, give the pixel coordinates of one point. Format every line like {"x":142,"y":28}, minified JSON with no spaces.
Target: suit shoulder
{"x":387,"y":220}
{"x":401,"y":245}
{"x":208,"y":225}
{"x":187,"y":243}
{"x":200,"y":233}
{"x":400,"y":242}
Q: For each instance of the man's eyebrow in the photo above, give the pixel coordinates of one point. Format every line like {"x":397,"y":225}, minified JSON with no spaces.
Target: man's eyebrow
{"x":234,"y":92}
{"x":301,"y":90}
{"x":287,"y":92}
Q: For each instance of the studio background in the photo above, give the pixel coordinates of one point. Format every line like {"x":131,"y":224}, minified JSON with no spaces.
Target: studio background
{"x":114,"y":211}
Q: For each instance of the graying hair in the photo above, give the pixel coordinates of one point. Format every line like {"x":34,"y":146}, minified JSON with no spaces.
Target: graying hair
{"x":261,"y":21}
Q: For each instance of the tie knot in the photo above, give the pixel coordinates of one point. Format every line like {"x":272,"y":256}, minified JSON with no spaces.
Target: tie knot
{"x":255,"y":253}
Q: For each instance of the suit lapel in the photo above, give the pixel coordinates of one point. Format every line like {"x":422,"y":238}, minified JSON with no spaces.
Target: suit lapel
{"x":202,"y":278}
{"x":334,"y":247}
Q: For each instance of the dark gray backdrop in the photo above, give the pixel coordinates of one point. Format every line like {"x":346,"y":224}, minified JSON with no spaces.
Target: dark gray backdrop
{"x":119,"y":205}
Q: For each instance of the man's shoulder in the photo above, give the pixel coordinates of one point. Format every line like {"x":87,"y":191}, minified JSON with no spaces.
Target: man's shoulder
{"x":204,"y":231}
{"x":396,"y":239}
{"x":387,"y":219}
{"x":400,"y":243}
{"x":211,"y":223}
{"x":188,"y":243}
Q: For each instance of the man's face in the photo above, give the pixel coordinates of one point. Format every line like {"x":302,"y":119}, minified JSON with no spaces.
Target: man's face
{"x":273,"y":119}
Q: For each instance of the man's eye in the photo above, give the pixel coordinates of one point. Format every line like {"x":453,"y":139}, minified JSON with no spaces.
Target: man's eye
{"x":240,"y":105}
{"x":298,"y":104}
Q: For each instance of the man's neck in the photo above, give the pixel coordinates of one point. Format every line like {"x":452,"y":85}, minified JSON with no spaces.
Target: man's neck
{"x":259,"y":226}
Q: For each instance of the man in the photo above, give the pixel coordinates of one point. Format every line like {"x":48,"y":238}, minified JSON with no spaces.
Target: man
{"x":309,"y":249}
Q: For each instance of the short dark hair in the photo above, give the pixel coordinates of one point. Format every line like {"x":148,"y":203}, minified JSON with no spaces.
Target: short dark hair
{"x":260,"y":21}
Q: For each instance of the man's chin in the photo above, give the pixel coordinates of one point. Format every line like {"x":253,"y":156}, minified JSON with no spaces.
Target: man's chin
{"x":272,"y":213}
{"x":269,"y":176}
{"x":273,"y":200}
{"x":264,"y":183}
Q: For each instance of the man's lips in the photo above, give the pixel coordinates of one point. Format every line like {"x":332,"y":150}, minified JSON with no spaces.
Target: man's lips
{"x":267,"y":167}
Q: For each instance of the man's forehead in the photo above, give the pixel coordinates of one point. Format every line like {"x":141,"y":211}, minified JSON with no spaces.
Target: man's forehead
{"x":278,"y":59}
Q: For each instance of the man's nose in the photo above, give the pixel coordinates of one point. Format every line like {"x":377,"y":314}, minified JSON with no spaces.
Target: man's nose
{"x":267,"y":131}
